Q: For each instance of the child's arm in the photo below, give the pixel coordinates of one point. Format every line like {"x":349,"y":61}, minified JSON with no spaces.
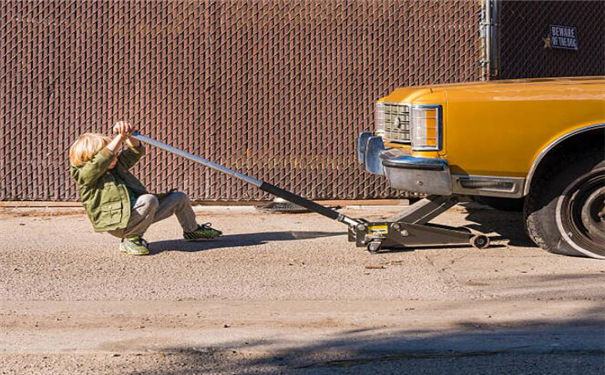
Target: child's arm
{"x":132,"y":142}
{"x":98,"y":165}
{"x":129,"y":157}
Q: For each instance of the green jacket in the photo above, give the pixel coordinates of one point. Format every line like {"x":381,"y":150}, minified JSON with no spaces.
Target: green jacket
{"x":105,"y":199}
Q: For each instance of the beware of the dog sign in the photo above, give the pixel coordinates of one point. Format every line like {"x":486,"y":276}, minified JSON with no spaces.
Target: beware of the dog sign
{"x":563,"y":37}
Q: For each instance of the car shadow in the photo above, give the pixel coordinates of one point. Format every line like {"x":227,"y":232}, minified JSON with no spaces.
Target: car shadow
{"x":235,"y":240}
{"x":507,"y":225}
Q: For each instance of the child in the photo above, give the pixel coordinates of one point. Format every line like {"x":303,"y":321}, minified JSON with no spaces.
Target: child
{"x":115,"y":201}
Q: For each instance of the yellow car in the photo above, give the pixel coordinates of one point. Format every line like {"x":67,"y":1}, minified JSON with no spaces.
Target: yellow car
{"x":533,"y":143}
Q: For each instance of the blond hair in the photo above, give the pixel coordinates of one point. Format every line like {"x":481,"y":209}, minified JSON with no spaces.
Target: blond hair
{"x":85,"y":148}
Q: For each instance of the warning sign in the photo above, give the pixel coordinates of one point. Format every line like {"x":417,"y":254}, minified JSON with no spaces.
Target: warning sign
{"x":377,"y":230}
{"x":563,"y":37}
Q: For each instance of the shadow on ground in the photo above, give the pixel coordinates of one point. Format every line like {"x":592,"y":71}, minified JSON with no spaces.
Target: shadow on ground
{"x":530,"y":347}
{"x":508,"y":225}
{"x":236,"y":240}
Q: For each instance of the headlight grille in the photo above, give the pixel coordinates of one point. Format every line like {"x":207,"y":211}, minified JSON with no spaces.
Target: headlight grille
{"x":397,"y":123}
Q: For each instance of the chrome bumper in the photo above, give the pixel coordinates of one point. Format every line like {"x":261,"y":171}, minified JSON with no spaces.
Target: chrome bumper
{"x":405,"y":172}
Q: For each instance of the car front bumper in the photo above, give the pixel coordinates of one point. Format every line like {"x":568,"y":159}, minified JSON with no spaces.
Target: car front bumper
{"x":405,"y":172}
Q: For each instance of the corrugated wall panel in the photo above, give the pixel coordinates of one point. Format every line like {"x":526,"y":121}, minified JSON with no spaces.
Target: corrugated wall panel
{"x":276,"y":89}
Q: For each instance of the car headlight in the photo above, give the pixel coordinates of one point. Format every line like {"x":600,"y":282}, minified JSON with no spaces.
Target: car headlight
{"x":426,"y":127}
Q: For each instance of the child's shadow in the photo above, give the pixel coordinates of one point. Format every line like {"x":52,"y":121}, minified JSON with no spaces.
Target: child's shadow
{"x":235,"y":240}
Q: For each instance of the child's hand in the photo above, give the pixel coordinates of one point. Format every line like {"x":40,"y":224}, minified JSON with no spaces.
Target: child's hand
{"x":123,"y":128}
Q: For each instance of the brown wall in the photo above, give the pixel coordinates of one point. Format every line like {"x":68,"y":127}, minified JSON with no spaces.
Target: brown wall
{"x":276,"y":89}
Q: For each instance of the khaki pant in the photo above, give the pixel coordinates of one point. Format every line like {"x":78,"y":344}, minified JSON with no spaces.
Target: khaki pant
{"x":148,"y":209}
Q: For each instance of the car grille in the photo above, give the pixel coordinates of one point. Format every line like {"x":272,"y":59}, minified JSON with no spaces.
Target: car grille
{"x":397,"y":123}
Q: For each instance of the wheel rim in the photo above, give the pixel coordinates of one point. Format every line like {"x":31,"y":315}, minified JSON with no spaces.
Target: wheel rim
{"x":582,"y":213}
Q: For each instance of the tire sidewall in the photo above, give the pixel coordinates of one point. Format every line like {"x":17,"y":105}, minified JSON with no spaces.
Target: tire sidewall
{"x":567,"y":240}
{"x":545,"y":201}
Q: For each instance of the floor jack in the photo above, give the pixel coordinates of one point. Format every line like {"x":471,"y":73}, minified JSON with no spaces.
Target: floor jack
{"x":407,"y":230}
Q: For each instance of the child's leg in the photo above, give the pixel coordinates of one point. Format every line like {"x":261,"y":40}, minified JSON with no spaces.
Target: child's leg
{"x":177,"y":203}
{"x":142,"y":215}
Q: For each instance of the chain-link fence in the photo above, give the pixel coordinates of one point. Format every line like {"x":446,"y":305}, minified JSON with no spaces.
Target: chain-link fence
{"x":526,"y":47}
{"x":276,"y":89}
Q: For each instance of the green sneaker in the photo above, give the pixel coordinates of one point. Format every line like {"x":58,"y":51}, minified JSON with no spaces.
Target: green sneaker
{"x":203,"y":232}
{"x":134,"y":246}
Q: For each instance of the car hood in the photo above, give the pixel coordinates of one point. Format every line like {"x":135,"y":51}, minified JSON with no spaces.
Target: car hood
{"x":517,"y":89}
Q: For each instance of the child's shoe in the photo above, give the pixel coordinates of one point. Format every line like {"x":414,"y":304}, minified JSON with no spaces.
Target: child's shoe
{"x":134,"y":246}
{"x":203,"y":232}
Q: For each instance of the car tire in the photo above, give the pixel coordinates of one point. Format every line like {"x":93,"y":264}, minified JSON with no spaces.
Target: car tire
{"x":502,"y":204}
{"x":564,"y":212}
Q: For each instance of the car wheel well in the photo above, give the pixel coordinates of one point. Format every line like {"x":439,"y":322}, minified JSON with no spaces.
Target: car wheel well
{"x":589,"y":140}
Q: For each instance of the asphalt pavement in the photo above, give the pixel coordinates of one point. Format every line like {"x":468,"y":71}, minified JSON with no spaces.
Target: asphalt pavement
{"x":283,"y":293}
